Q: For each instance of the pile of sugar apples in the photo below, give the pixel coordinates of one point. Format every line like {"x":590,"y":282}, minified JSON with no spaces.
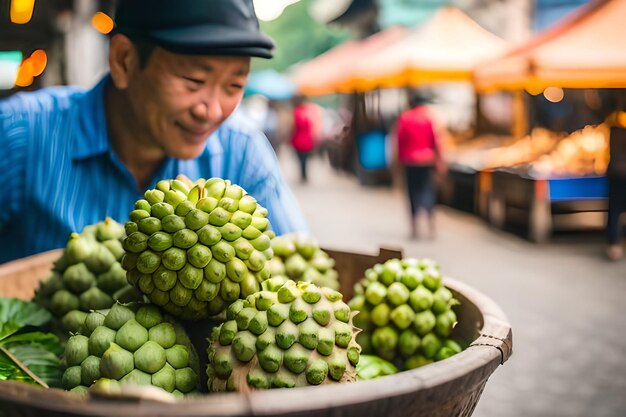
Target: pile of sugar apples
{"x":204,"y":253}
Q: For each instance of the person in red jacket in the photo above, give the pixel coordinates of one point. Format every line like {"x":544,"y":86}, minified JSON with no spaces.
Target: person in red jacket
{"x":419,"y":152}
{"x":303,"y":133}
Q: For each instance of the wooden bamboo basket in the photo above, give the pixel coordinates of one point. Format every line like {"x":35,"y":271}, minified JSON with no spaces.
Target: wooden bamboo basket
{"x":449,"y":388}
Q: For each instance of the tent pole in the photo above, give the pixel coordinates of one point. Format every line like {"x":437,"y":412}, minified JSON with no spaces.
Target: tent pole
{"x":481,"y":125}
{"x":520,"y":115}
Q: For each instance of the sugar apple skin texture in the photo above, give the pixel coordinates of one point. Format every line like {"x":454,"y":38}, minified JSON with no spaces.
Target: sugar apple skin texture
{"x":300,"y":258}
{"x":405,"y":312}
{"x":130,"y":345}
{"x":194,"y":248}
{"x":88,"y":276}
{"x":288,"y":335}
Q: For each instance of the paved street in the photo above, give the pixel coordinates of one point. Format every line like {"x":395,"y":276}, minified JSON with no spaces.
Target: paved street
{"x":566,"y":303}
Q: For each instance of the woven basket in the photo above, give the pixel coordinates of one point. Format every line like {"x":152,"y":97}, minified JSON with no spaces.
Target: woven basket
{"x":443,"y":389}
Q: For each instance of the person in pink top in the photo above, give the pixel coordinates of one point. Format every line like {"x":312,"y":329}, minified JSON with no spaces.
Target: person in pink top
{"x":303,"y":133}
{"x":420,"y":154}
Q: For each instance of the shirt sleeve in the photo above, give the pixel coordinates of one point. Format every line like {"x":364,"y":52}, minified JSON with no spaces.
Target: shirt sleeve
{"x":13,"y":146}
{"x":262,"y":178}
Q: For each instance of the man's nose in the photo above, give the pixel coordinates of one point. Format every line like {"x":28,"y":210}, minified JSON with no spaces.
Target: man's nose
{"x":208,"y":109}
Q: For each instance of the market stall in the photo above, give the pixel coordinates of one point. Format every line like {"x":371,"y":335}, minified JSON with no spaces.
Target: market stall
{"x":583,"y":51}
{"x":327,"y":73}
{"x":545,"y":181}
{"x":444,"y":49}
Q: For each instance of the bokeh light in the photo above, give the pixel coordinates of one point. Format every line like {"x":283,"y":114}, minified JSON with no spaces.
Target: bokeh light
{"x":534,"y":90}
{"x":621,"y":118}
{"x":553,"y":94}
{"x":268,"y":10}
{"x":39,"y":60}
{"x":25,"y":75}
{"x":102,"y":22}
{"x":22,"y":11}
{"x":31,"y":67}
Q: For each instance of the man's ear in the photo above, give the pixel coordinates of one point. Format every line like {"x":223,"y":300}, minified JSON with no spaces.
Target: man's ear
{"x":123,"y":60}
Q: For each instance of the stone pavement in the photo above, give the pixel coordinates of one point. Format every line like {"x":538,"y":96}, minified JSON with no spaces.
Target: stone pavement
{"x":566,"y":304}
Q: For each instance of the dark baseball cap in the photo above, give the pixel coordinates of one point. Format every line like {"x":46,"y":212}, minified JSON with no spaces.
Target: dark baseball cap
{"x":206,"y":27}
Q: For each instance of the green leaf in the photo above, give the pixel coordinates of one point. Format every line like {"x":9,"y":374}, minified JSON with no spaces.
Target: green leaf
{"x":16,"y":314}
{"x":40,"y":361}
{"x":23,"y":348}
{"x":9,"y":328}
{"x":48,"y":341}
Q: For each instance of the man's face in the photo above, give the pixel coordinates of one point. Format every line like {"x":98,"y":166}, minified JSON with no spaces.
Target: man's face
{"x":179,"y":100}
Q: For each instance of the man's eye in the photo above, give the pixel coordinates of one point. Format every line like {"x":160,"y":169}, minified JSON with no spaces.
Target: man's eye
{"x":236,"y":86}
{"x":194,"y":80}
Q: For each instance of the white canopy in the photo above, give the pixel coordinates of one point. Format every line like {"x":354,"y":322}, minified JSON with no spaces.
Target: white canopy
{"x":327,"y":74}
{"x":446,"y":48}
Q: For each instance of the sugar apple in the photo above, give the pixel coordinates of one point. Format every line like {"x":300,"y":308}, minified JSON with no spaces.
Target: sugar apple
{"x":194,"y":249}
{"x":88,"y":276}
{"x":130,"y":344}
{"x":300,"y":258}
{"x":405,"y":313}
{"x":287,"y":335}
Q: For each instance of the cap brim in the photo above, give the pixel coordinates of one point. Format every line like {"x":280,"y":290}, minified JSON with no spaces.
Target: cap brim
{"x":214,"y":40}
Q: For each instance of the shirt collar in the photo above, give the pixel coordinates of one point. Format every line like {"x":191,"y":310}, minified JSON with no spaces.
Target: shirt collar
{"x":92,"y":138}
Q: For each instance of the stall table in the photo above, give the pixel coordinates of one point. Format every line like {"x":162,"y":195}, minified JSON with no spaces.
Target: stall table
{"x":514,"y":198}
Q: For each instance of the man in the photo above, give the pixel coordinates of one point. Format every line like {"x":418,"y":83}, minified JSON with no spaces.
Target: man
{"x":177,"y":72}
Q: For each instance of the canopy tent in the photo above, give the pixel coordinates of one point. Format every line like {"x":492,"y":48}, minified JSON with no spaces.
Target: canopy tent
{"x":445,"y":49}
{"x":586,"y":50}
{"x":327,"y":73}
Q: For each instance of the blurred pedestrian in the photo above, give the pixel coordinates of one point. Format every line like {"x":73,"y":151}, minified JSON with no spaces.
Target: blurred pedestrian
{"x":419,"y":153}
{"x":303,"y":132}
{"x":616,"y":174}
{"x":271,"y":125}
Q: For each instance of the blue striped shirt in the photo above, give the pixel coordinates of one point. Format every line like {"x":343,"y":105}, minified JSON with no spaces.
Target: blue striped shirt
{"x":60,"y":172}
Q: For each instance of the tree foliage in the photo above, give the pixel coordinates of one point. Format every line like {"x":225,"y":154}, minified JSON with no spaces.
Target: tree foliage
{"x":298,"y":37}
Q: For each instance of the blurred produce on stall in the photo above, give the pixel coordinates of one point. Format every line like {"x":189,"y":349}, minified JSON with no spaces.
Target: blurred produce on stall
{"x":522,"y":151}
{"x":491,"y":151}
{"x":545,"y":154}
{"x":564,"y":78}
{"x":543,"y":182}
{"x":584,"y":152}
